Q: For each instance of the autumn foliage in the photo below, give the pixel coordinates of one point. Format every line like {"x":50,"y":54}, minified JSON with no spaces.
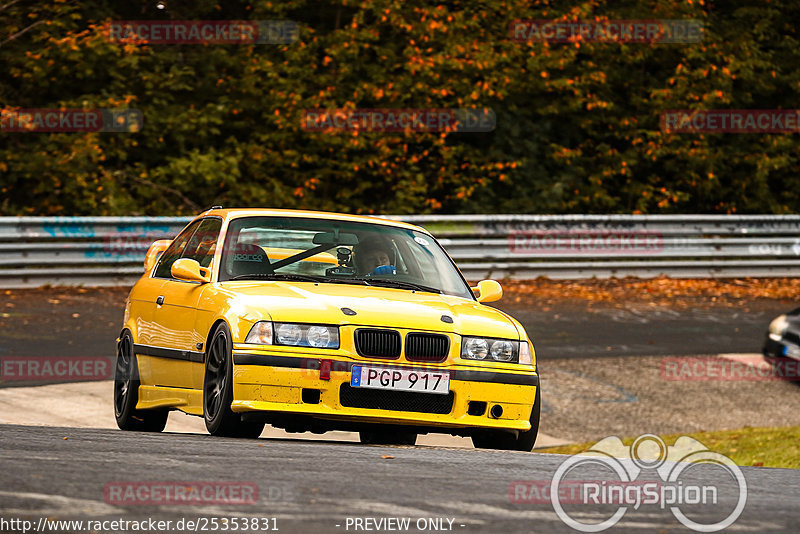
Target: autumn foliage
{"x":661,"y":291}
{"x":577,"y":122}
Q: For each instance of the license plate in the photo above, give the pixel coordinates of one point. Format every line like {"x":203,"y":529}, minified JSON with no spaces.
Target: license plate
{"x":400,"y":379}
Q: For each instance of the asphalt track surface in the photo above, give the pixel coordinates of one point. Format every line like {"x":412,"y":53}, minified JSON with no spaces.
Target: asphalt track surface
{"x":572,"y":330}
{"x":315,"y":485}
{"x":304,"y":487}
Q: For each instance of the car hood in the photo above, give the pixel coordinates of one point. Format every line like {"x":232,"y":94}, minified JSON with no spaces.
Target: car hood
{"x":374,"y":306}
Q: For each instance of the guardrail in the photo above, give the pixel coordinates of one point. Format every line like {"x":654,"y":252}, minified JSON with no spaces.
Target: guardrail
{"x":97,"y":251}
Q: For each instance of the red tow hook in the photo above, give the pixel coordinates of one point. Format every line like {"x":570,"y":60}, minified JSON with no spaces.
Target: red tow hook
{"x":324,"y":369}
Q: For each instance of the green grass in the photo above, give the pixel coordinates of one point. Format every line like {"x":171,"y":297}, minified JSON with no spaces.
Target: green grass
{"x":767,"y":447}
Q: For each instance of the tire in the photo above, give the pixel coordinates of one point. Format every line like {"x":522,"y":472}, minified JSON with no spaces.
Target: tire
{"x":126,"y":393}
{"x":218,"y":390}
{"x":506,"y":441}
{"x":387,"y":436}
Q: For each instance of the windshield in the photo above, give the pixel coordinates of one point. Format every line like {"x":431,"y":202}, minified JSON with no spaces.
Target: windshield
{"x":334,"y":251}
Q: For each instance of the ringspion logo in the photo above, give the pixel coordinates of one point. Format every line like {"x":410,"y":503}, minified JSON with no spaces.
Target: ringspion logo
{"x":648,"y":473}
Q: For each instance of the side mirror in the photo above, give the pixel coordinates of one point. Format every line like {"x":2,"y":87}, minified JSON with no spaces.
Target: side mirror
{"x":488,"y":291}
{"x":189,"y":270}
{"x":154,"y":252}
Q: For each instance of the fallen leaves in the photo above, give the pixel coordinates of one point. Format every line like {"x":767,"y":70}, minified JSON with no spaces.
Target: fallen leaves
{"x":662,"y":291}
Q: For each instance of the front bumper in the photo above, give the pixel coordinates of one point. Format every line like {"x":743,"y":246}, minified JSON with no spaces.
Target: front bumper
{"x":782,"y":348}
{"x":274,"y":383}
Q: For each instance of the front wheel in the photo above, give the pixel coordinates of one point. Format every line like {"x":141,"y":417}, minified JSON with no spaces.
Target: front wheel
{"x":218,"y":390}
{"x":506,"y":441}
{"x":126,"y":393}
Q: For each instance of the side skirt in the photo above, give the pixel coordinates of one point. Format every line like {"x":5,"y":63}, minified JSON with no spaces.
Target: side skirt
{"x":185,"y":400}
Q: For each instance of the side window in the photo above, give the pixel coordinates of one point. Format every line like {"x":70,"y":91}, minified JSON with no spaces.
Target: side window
{"x":203,"y":242}
{"x":174,"y":251}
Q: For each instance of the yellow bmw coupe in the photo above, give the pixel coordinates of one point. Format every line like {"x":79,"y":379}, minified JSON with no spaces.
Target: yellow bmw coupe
{"x":314,"y":321}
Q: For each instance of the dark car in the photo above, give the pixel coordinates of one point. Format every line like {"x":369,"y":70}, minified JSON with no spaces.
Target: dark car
{"x":783,"y":337}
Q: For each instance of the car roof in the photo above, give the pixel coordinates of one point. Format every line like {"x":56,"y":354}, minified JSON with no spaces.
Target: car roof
{"x":235,"y":213}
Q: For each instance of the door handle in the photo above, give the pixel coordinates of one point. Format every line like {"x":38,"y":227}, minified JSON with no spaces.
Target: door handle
{"x":160,"y":300}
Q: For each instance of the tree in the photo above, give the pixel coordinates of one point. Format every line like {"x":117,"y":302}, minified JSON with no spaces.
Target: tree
{"x":577,"y":122}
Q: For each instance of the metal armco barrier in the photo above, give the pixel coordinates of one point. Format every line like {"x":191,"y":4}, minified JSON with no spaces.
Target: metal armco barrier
{"x":105,"y":251}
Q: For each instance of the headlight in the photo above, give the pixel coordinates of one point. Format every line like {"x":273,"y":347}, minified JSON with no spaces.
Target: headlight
{"x":502,"y":351}
{"x":474,"y":348}
{"x":288,"y":334}
{"x":778,"y":327}
{"x":498,"y":350}
{"x":294,"y":335}
{"x":319,"y":336}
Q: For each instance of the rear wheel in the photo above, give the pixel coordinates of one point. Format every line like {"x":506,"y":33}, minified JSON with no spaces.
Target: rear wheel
{"x":506,"y":441}
{"x":218,"y":390}
{"x":126,"y":393}
{"x":387,"y":436}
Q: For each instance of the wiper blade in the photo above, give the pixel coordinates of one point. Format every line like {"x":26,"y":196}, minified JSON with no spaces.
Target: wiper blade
{"x":280,"y":276}
{"x":398,"y":284}
{"x":382,"y":282}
